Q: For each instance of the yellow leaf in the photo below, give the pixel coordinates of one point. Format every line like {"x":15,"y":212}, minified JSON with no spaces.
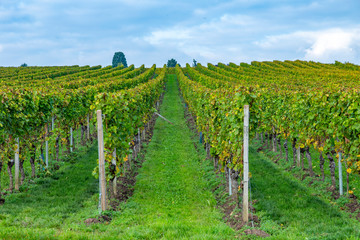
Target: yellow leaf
{"x":351,"y":192}
{"x":348,"y":170}
{"x":125,"y":158}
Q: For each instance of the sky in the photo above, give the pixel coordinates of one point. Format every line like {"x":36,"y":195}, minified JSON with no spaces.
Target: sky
{"x":79,"y":32}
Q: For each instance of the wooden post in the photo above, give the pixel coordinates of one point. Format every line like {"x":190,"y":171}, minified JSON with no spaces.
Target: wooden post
{"x":245,"y":209}
{"x":102,"y":179}
{"x":71,"y":139}
{"x":113,"y":161}
{"x":17,"y":165}
{"x":340,"y":176}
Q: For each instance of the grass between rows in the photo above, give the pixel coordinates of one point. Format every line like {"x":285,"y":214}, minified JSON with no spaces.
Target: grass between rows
{"x":172,"y":198}
{"x":291,"y":210}
{"x":51,"y":205}
{"x":354,"y":178}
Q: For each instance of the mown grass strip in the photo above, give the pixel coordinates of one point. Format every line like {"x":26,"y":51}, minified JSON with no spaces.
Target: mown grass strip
{"x":60,"y":201}
{"x":172,"y":199}
{"x":290,"y":210}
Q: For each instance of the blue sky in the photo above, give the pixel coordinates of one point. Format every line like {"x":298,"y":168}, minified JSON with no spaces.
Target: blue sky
{"x":79,"y":32}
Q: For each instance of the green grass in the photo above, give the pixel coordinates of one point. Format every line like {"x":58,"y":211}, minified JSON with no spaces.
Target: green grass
{"x":320,"y":187}
{"x":40,"y":164}
{"x":354,"y":178}
{"x":172,"y":198}
{"x":44,"y":207}
{"x":290,"y":210}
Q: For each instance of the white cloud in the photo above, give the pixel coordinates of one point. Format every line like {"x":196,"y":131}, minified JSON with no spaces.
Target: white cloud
{"x":168,"y":36}
{"x":54,"y":32}
{"x":333,"y":42}
{"x":218,"y":39}
{"x":323,"y":45}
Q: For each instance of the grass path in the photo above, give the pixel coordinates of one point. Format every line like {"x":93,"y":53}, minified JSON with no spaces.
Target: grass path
{"x":289,"y":210}
{"x":54,"y":203}
{"x":172,"y":199}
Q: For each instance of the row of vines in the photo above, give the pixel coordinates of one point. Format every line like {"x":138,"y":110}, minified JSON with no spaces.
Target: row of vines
{"x":41,"y":107}
{"x":307,"y":105}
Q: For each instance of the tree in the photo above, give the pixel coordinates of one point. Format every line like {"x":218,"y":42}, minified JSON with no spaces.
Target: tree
{"x":172,"y":63}
{"x":118,"y":59}
{"x":23,"y":65}
{"x":194,"y":63}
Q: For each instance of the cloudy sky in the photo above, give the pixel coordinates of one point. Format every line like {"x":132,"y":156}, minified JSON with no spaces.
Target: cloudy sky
{"x":79,"y":32}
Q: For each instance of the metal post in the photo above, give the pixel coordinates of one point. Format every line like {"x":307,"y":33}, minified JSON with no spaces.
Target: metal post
{"x":229,"y":173}
{"x":52,"y":123}
{"x":71,"y":139}
{"x":46,"y":146}
{"x":113,"y":161}
{"x":139,"y":139}
{"x":340,"y":176}
{"x":47,"y":153}
{"x":17,"y":165}
{"x":298,"y":156}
